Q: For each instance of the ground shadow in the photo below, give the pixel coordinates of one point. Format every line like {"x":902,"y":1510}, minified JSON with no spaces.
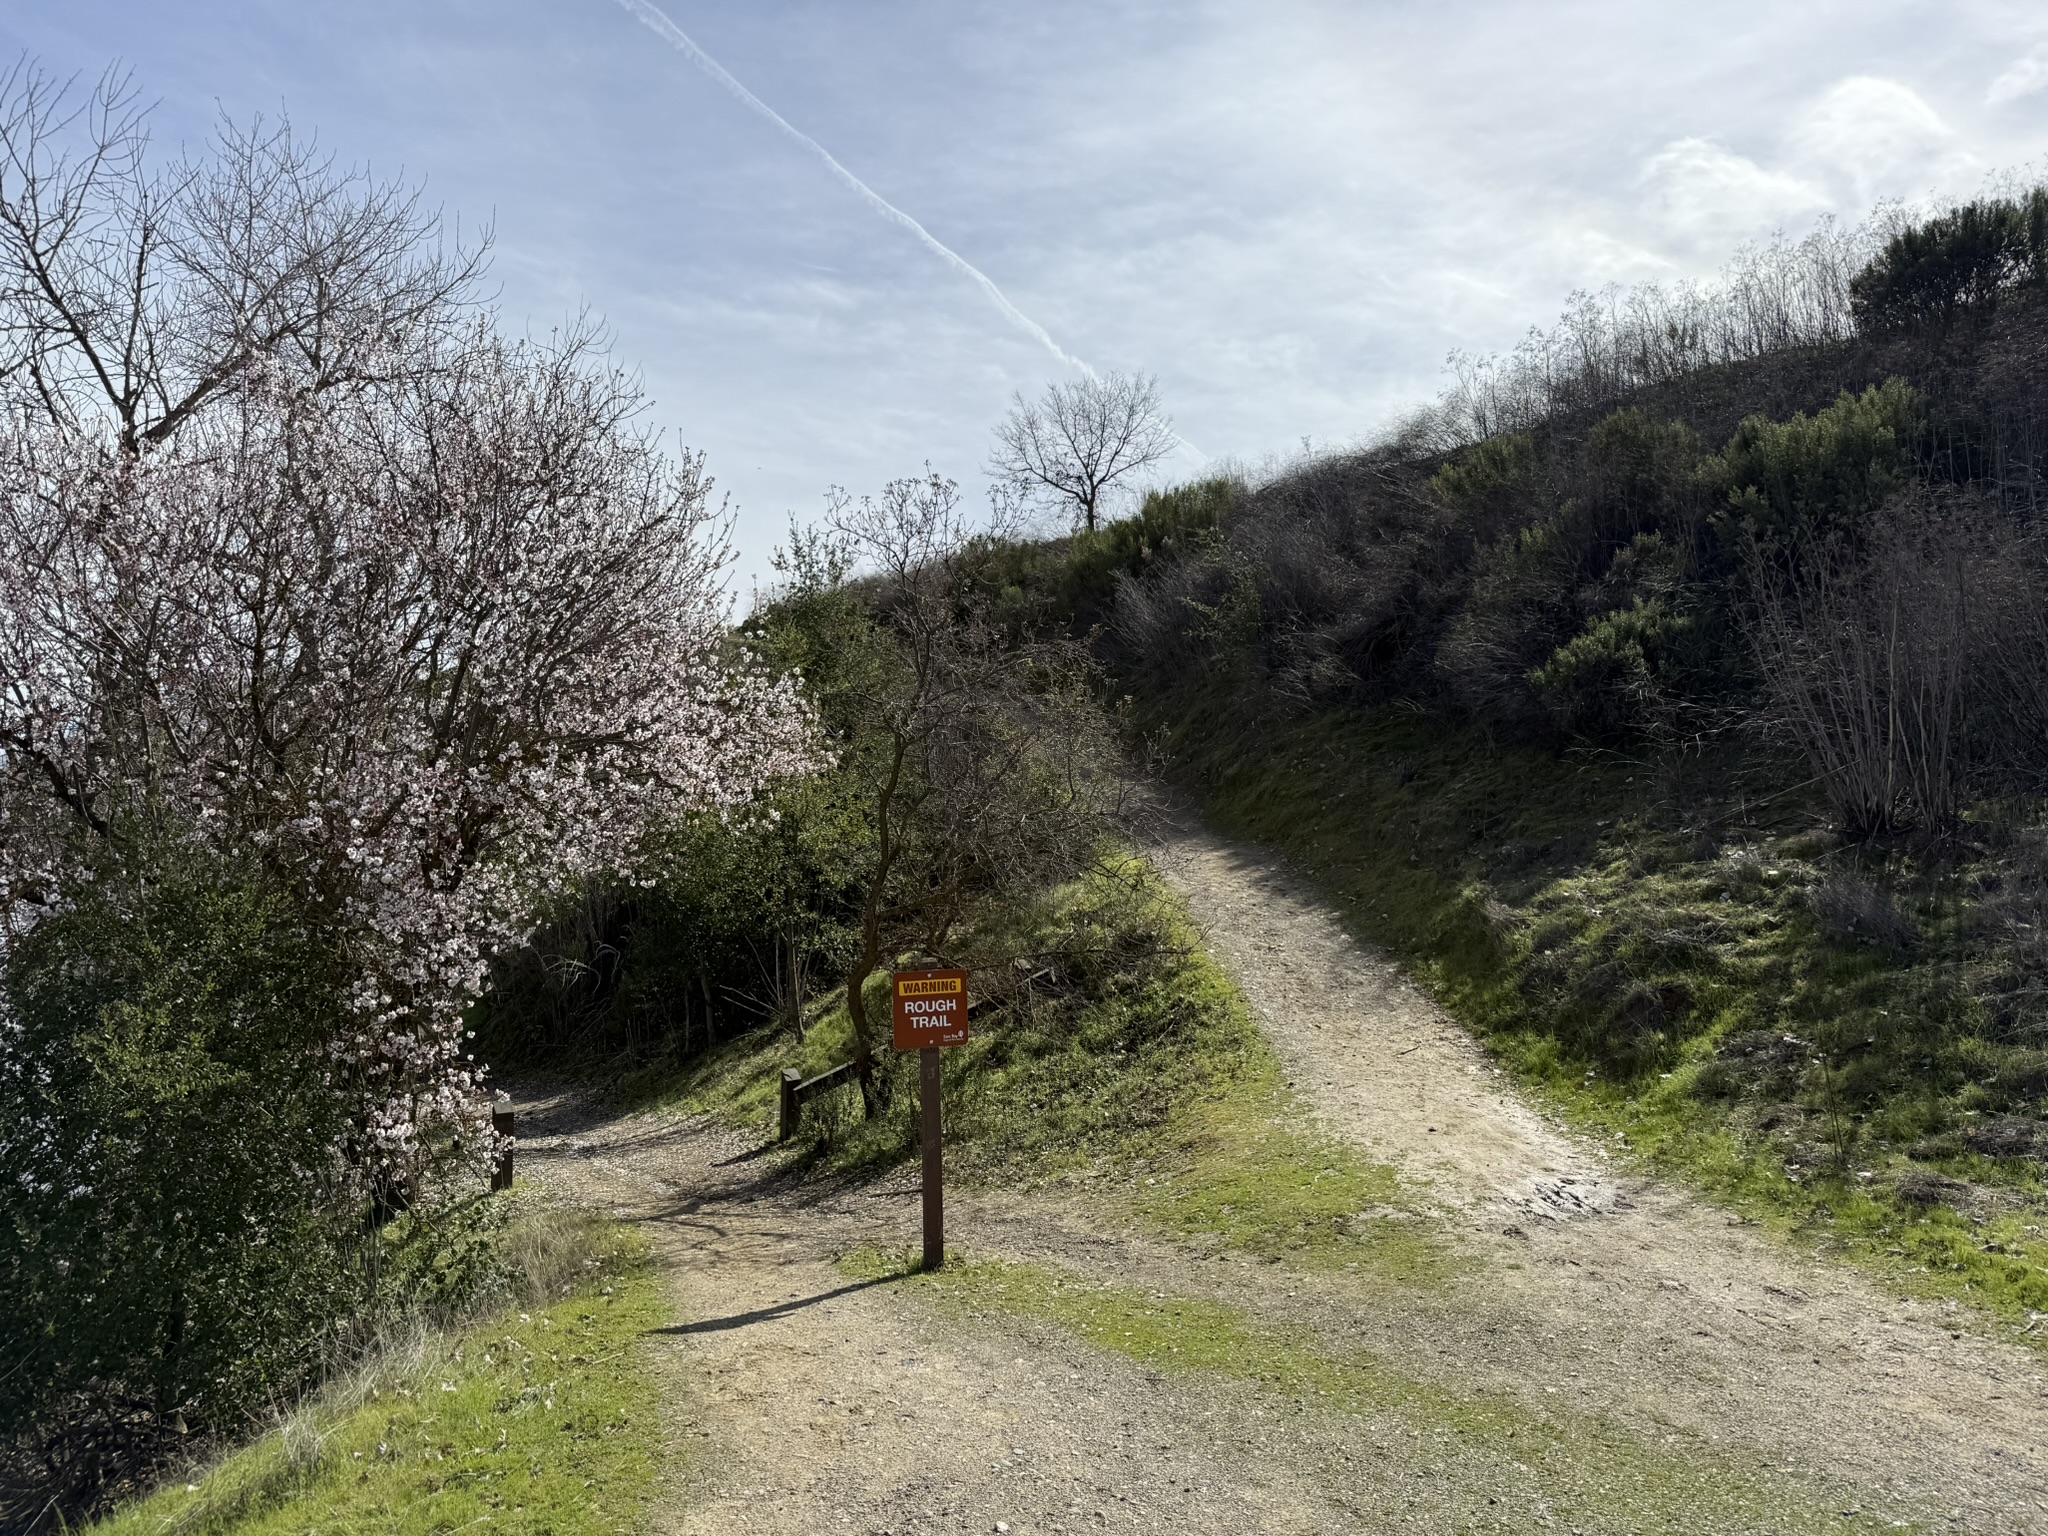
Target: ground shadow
{"x":769,"y":1314}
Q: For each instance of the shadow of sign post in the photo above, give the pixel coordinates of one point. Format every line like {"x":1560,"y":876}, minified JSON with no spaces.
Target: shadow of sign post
{"x":930,"y":1010}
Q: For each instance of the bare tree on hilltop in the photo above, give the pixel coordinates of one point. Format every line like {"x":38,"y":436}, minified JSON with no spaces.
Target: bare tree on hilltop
{"x":1079,"y":440}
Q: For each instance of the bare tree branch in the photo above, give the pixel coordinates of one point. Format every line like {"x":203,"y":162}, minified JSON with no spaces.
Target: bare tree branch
{"x":1080,"y":440}
{"x":130,"y":297}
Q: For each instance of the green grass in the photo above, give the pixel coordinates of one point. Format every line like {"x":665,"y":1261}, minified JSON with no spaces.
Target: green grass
{"x":1236,"y":1171}
{"x":1608,"y":927}
{"x":544,"y":1421}
{"x":1588,"y":1472}
{"x":1070,"y":1076}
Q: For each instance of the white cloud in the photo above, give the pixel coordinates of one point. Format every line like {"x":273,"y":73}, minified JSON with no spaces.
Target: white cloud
{"x":1879,"y":136}
{"x":2022,"y":79}
{"x":1703,"y":194}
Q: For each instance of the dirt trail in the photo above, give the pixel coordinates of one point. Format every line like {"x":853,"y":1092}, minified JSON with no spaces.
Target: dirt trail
{"x":804,"y":1402}
{"x":1380,"y":1063}
{"x":1660,"y":1299}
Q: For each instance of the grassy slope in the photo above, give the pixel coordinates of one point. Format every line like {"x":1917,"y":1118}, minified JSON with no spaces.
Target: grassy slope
{"x":1530,"y":892}
{"x":1139,"y":1076}
{"x":541,"y":1421}
{"x":1142,"y":1079}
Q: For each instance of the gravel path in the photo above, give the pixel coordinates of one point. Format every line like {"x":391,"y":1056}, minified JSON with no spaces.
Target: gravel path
{"x":803,"y":1402}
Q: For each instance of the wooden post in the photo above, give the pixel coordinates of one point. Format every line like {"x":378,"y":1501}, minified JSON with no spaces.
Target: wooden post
{"x":930,"y":1013}
{"x":792,"y":1106}
{"x":934,"y":1191}
{"x":501,"y":1124}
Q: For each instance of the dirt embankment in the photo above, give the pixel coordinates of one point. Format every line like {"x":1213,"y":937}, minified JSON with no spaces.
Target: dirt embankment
{"x":806,"y":1402}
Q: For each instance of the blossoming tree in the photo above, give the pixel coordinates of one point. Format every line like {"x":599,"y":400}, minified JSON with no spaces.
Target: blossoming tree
{"x":301,"y":560}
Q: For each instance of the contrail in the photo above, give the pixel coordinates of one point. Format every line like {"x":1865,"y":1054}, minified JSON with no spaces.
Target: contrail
{"x":669,"y":32}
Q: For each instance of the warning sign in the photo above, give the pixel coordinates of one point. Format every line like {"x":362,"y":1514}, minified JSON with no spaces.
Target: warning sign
{"x":930,"y":1009}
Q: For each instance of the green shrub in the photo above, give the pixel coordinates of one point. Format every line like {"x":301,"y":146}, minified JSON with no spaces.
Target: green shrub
{"x":1519,"y":610}
{"x":1494,"y":483}
{"x":1820,"y":474}
{"x":1612,"y":683}
{"x":1169,"y":522}
{"x":1928,"y":274}
{"x":177,"y":1240}
{"x":1636,"y":474}
{"x":1583,"y":594}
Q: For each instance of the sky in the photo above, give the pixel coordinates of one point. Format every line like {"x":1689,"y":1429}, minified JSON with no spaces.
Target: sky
{"x":1290,"y":212}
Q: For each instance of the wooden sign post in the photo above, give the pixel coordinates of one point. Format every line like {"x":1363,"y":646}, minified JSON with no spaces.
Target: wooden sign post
{"x":930,"y":1013}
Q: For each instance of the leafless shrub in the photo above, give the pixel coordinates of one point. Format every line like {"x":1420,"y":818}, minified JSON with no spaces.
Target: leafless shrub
{"x":1770,"y":297}
{"x":1318,"y":590}
{"x":2015,"y":904}
{"x":1851,"y":909}
{"x":568,"y":967}
{"x":1744,"y":864}
{"x":1865,"y":645}
{"x":1638,"y":1026}
{"x":1922,"y":1188}
{"x":786,"y":982}
{"x":1768,"y":1062}
{"x":1176,"y":621}
{"x":1332,"y":598}
{"x":2009,"y":670}
{"x":2007,"y":1137}
{"x":1501,"y":922}
{"x":1507,"y":626}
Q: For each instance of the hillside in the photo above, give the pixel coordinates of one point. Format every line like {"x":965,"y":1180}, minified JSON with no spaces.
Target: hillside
{"x":1356,"y":1284}
{"x":1687,"y":737}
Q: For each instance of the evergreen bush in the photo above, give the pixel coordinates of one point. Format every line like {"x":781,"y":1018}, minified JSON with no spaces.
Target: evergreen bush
{"x":175,"y":1244}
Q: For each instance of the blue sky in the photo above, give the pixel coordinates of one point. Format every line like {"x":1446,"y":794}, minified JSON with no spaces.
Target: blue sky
{"x":1290,"y":212}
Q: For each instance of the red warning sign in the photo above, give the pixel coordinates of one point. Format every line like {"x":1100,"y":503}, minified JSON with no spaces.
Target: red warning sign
{"x":930,"y":1008}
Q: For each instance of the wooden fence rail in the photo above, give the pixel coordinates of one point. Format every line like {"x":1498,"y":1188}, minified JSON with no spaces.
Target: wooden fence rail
{"x":796,"y":1088}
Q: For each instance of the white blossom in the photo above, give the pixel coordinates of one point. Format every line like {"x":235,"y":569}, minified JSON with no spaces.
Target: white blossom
{"x":432,"y":643}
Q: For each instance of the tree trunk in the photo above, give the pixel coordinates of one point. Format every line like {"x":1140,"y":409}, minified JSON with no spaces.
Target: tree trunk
{"x":871,"y":931}
{"x":795,"y":992}
{"x":857,"y":1013}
